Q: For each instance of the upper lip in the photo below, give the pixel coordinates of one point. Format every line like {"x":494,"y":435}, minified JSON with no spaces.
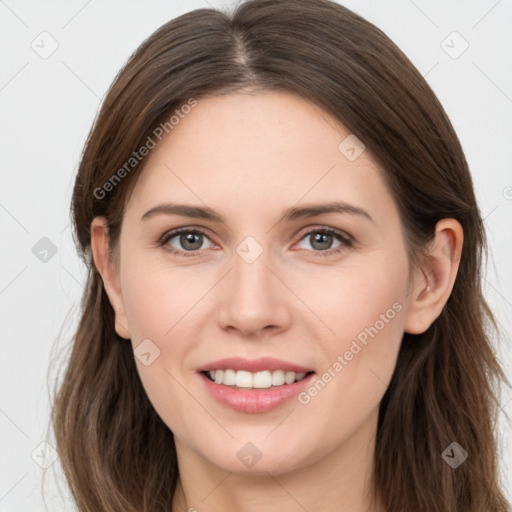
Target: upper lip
{"x":254,"y":365}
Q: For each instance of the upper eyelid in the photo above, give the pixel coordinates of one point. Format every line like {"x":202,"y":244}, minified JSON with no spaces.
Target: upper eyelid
{"x":178,"y":231}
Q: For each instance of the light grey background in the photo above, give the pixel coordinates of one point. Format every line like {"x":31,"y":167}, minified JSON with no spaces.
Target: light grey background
{"x":47,"y":106}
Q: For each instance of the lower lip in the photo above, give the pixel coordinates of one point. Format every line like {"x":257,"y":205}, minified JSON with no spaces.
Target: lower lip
{"x":255,"y":400}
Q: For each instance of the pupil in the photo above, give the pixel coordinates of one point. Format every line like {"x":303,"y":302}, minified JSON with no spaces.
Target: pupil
{"x":189,"y":238}
{"x":322,"y":238}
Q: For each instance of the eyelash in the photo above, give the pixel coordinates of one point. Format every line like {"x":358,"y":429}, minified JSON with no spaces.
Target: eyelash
{"x":346,"y":240}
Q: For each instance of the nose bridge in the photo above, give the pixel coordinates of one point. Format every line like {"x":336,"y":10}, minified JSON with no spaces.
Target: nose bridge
{"x":251,"y":276}
{"x":253,"y":297}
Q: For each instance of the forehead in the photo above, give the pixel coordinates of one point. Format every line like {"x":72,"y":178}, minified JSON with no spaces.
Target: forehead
{"x":253,"y":150}
{"x":246,"y":128}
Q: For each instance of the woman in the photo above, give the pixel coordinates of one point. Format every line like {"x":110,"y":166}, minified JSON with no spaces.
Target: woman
{"x":283,"y":309}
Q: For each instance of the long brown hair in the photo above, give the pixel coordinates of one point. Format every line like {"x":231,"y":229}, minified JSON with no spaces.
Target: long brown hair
{"x":116,"y":452}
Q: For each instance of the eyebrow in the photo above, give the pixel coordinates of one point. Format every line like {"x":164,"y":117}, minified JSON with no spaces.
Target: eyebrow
{"x":290,"y":214}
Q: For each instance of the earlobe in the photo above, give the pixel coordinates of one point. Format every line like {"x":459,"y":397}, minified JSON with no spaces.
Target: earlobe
{"x":109,"y":274}
{"x":433,"y":285}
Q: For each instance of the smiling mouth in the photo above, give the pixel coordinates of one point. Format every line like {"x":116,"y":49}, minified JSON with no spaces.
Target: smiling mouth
{"x":254,"y":380}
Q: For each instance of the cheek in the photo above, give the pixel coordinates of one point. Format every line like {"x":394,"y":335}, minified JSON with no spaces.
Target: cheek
{"x":368,"y":315}
{"x":362,"y":356}
{"x":164,"y":304}
{"x":365,"y":309}
{"x":160,"y":307}
{"x":360,"y":302}
{"x":160,"y":299}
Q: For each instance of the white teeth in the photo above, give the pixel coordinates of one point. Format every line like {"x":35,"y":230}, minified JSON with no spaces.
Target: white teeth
{"x":242,"y":380}
{"x":219,"y":376}
{"x":289,"y":377}
{"x":258,"y":380}
{"x":229,"y":378}
{"x":278,"y":378}
{"x":262,"y":380}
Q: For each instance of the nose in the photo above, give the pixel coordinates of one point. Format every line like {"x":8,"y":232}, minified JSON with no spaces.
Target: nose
{"x":253,"y":299}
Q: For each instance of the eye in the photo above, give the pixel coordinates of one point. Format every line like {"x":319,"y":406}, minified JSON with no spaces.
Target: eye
{"x":321,"y":240}
{"x":188,"y":242}
{"x":184,"y":241}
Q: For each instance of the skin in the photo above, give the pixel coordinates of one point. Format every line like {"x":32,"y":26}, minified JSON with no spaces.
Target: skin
{"x":249,"y":157}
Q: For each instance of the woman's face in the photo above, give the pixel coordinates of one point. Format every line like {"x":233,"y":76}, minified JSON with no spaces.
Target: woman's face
{"x":261,"y":278}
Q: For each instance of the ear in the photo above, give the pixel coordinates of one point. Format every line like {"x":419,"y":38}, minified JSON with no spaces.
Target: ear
{"x":433,"y":283}
{"x":109,"y":273}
